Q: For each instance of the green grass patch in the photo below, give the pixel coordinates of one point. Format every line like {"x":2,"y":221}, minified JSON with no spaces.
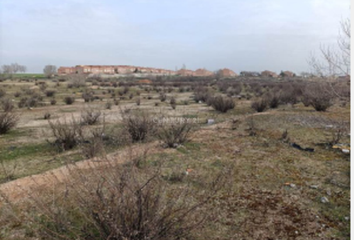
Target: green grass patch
{"x":14,"y":152}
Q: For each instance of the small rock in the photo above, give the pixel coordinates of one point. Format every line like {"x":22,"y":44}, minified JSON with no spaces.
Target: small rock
{"x":200,"y":102}
{"x":346,"y":218}
{"x":296,"y":232}
{"x":324,"y":200}
{"x":314,"y":186}
{"x":329,"y":193}
{"x":175,"y":145}
{"x":292,"y":185}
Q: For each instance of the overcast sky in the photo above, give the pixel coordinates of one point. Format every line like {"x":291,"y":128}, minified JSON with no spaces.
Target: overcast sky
{"x":251,"y":35}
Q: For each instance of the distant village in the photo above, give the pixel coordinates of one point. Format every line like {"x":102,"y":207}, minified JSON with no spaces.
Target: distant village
{"x":202,"y":72}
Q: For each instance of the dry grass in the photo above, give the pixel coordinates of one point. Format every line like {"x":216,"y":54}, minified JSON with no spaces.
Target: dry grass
{"x":256,"y":203}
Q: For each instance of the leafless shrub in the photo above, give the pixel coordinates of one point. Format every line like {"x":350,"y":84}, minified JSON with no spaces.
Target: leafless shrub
{"x":66,"y":133}
{"x":53,"y":101}
{"x":222,"y":104}
{"x":2,"y":93}
{"x":126,"y":90}
{"x":30,"y":102}
{"x":273,"y":99}
{"x":116,"y":102}
{"x":108,"y":105}
{"x":173,"y":101}
{"x":163,"y":97}
{"x":121,"y":202}
{"x":50,"y":93}
{"x":138,"y":101}
{"x":17,"y":94}
{"x":174,"y":133}
{"x":7,"y":105}
{"x":92,"y":145}
{"x":201,"y":94}
{"x":8,"y":120}
{"x":88,"y":96}
{"x":139,"y":125}
{"x":259,"y":105}
{"x":76,"y":80}
{"x":69,"y":100}
{"x":252,"y":129}
{"x":288,"y":96}
{"x":47,"y":115}
{"x":43,"y":86}
{"x":320,"y":96}
{"x":90,"y":116}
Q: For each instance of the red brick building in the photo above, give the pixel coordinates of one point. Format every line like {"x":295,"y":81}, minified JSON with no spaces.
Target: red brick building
{"x":267,"y":73}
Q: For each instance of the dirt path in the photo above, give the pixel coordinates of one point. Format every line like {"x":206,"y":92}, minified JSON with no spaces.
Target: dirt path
{"x":21,"y":188}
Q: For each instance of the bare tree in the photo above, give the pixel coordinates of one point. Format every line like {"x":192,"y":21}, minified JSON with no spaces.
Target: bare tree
{"x":334,"y":60}
{"x":7,"y":69}
{"x":22,"y":68}
{"x":13,"y":68}
{"x":49,"y":70}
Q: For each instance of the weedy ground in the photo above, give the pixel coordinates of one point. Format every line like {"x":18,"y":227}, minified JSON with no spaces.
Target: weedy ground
{"x":273,"y":190}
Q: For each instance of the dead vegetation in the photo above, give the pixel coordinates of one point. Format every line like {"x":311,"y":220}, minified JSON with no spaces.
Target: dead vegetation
{"x":159,"y":195}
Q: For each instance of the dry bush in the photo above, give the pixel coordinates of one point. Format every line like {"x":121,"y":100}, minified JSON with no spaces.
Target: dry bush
{"x":120,"y":203}
{"x":17,"y":94}
{"x":2,"y":93}
{"x":90,"y":116}
{"x":8,"y":120}
{"x":108,"y":105}
{"x":320,"y":96}
{"x":305,"y":99}
{"x":252,"y":129}
{"x":273,"y":99}
{"x":138,"y":124}
{"x":66,"y":133}
{"x":174,"y":133}
{"x":138,"y":101}
{"x":7,"y":105}
{"x":43,"y":86}
{"x":88,"y":96}
{"x":173,"y":101}
{"x":50,"y":93}
{"x":259,"y":105}
{"x":126,"y":90}
{"x":163,"y":97}
{"x":291,"y":93}
{"x":53,"y":102}
{"x":92,"y":145}
{"x":46,"y":115}
{"x":76,"y":80}
{"x":69,"y":100}
{"x":201,"y":94}
{"x":222,"y":104}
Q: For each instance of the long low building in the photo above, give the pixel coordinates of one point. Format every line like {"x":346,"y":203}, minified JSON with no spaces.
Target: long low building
{"x":124,"y":69}
{"x":110,"y":69}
